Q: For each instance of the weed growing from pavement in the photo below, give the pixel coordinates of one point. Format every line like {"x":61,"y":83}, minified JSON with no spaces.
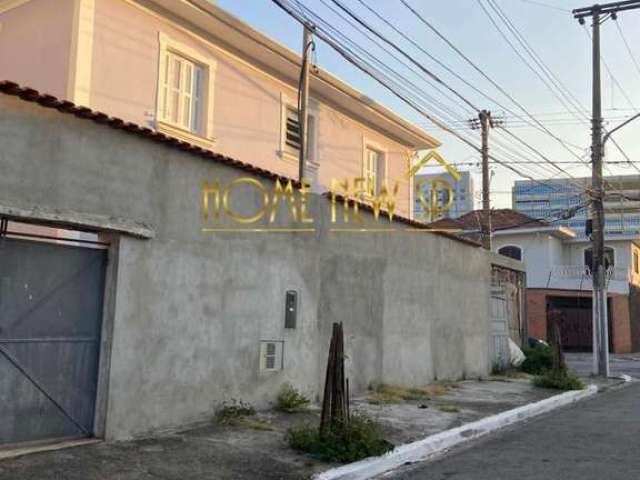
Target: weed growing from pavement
{"x":559,"y":379}
{"x":237,"y":413}
{"x":358,"y":438}
{"x":290,"y":400}
{"x":537,"y":359}
{"x":234,"y":409}
{"x":508,"y":373}
{"x":448,"y":409}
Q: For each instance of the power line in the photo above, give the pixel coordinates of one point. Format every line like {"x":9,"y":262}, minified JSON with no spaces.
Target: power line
{"x":386,"y":50}
{"x":553,"y":79}
{"x":393,"y":45}
{"x":613,"y":77}
{"x":403,"y":53}
{"x":482,"y":73}
{"x":365,"y":67}
{"x":551,"y":76}
{"x":526,"y":62}
{"x":541,"y":4}
{"x":626,"y":44}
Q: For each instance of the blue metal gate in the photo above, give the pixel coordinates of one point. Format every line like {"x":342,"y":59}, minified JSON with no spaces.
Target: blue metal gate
{"x":50,"y":319}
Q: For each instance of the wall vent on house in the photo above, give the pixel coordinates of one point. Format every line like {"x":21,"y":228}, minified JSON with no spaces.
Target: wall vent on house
{"x":271,"y":355}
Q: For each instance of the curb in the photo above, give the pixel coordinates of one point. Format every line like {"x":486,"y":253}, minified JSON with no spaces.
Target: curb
{"x":439,"y":442}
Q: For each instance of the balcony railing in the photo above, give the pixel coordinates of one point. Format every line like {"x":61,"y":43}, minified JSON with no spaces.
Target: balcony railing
{"x":577,"y":272}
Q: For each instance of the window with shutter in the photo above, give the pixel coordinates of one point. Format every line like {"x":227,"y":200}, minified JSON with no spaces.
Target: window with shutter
{"x":373,"y":170}
{"x":182,"y":93}
{"x":292,"y":132}
{"x":291,"y":138}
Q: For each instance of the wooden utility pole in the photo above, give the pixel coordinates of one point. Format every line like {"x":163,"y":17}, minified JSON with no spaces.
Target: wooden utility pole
{"x":485,"y":122}
{"x":598,"y":14}
{"x":303,"y":98}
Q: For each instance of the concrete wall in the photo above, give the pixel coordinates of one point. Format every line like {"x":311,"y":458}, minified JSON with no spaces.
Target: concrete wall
{"x":189,"y":309}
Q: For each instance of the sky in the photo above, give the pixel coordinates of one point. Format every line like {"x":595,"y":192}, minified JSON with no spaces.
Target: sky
{"x":550,"y":31}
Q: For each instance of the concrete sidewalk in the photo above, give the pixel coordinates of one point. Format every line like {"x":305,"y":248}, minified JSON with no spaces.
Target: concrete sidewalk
{"x":624,"y":364}
{"x":256,"y":449}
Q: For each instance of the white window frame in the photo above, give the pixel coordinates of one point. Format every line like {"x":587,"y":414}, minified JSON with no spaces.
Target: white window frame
{"x":278,"y":355}
{"x":312,"y":157}
{"x":204,"y":138}
{"x":368,"y":144}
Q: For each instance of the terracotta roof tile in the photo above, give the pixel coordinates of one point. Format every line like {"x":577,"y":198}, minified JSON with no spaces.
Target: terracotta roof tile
{"x":65,"y":106}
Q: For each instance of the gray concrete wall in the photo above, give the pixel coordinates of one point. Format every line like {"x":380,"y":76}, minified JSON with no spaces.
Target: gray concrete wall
{"x":189,"y":309}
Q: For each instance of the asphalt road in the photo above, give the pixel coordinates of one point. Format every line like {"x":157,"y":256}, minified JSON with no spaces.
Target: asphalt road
{"x":597,"y":438}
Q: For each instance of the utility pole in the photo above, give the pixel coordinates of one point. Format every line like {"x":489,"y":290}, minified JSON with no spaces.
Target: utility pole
{"x":303,"y":98}
{"x":599,"y":14}
{"x":485,"y":122}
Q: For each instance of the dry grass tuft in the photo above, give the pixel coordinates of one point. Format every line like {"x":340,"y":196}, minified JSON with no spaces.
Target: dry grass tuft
{"x":384,"y":394}
{"x":448,"y":409}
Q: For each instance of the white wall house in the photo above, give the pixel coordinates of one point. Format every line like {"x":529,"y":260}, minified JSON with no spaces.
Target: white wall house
{"x":557,"y":261}
{"x":556,"y":258}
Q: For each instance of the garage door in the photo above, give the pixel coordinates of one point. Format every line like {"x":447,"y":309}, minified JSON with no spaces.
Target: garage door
{"x":50,"y":317}
{"x":575,"y":322}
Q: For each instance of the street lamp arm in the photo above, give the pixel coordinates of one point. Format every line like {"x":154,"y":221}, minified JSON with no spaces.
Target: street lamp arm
{"x":628,"y":120}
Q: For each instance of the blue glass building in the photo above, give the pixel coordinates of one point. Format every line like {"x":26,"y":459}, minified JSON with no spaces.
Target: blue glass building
{"x":549,"y":200}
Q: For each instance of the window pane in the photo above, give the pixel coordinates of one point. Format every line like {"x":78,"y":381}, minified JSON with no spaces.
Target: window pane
{"x":511,"y":252}
{"x":372,"y":170}
{"x":177,"y":73}
{"x":186,"y":113}
{"x":187,"y":78}
{"x":174,"y":106}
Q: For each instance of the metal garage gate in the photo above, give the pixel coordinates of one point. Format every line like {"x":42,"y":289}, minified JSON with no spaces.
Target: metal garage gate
{"x":575,"y":322}
{"x":50,"y":317}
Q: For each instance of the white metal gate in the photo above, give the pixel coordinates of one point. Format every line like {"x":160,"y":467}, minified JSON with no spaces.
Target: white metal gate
{"x":499,"y":328}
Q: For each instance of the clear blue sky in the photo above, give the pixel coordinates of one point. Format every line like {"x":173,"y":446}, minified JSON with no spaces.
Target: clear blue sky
{"x":556,"y":37}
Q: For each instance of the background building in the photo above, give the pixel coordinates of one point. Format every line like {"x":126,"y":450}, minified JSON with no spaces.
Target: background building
{"x":558,"y":276}
{"x":462,"y":194}
{"x":622,"y":218}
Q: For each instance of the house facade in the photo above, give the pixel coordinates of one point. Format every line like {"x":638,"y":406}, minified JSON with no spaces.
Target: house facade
{"x":557,"y":260}
{"x":126,"y":307}
{"x":192,"y":71}
{"x":558,"y":264}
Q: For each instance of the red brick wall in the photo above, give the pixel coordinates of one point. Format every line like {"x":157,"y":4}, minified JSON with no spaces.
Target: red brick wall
{"x":620,"y":323}
{"x":634,"y":317}
{"x":537,"y":313}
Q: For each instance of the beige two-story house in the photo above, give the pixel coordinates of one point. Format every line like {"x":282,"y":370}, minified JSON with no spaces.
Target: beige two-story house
{"x":191,"y":70}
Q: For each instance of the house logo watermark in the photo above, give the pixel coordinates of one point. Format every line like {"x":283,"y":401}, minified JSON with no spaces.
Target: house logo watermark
{"x":247,"y":204}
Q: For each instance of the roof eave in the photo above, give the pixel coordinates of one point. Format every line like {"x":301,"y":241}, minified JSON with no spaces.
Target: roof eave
{"x":279,"y":60}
